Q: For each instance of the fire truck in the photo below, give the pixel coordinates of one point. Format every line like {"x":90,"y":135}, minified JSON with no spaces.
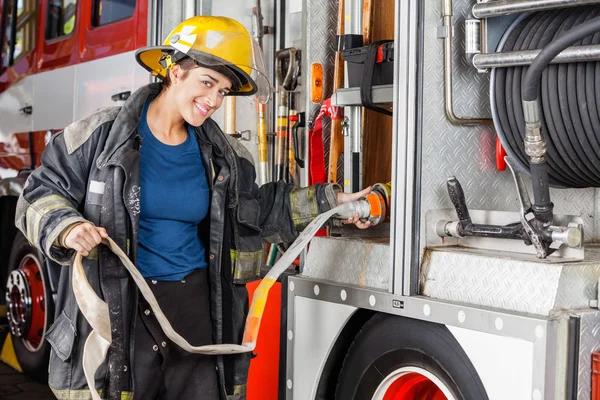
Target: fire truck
{"x":482,"y":280}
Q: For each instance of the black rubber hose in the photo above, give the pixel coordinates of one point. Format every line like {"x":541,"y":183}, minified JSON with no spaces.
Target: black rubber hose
{"x":570,"y":109}
{"x":588,"y":87}
{"x":513,"y":100}
{"x":534,"y":72}
{"x":501,"y":98}
{"x":542,"y":206}
{"x":549,"y":22}
{"x":569,"y":98}
{"x":553,"y":117}
{"x":558,"y":102}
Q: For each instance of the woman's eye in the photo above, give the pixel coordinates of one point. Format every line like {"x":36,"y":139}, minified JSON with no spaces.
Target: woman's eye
{"x":207,"y":83}
{"x":223,"y":93}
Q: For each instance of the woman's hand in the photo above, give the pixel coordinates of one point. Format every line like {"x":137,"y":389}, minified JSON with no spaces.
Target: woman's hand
{"x":348,"y":197}
{"x":84,"y":237}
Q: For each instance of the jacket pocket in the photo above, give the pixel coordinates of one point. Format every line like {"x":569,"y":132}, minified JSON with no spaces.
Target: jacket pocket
{"x":61,"y":336}
{"x":247,"y":256}
{"x":249,"y":213}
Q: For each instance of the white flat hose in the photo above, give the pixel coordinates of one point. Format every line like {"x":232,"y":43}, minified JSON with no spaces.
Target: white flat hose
{"x":95,"y":310}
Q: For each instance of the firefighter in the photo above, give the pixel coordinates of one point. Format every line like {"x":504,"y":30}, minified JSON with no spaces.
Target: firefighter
{"x":160,"y":178}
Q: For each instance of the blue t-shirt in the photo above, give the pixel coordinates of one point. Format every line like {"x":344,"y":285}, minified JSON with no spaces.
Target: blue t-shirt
{"x":174,"y":199}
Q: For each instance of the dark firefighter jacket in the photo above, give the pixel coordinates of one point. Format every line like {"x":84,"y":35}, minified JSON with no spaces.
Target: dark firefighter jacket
{"x":90,"y":171}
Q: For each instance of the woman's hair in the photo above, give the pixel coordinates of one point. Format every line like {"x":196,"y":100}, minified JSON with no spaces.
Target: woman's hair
{"x":189,"y":63}
{"x":185,"y":64}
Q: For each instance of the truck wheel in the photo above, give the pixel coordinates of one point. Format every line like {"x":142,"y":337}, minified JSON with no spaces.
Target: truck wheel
{"x":30,"y":309}
{"x":394,"y":358}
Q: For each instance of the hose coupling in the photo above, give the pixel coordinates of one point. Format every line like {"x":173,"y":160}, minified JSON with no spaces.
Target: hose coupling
{"x":373,"y":207}
{"x":535,"y":145}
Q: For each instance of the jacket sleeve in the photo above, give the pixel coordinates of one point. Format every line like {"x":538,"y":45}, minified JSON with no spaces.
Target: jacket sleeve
{"x":52,"y":197}
{"x":285,"y":210}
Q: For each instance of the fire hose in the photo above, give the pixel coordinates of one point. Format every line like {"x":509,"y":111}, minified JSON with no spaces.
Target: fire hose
{"x":372,"y":207}
{"x":569,"y":95}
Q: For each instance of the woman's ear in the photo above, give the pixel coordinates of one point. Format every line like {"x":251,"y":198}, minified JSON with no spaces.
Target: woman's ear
{"x":177,"y":74}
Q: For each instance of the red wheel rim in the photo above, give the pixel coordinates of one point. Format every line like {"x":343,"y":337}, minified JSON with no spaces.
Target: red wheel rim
{"x":412,"y":383}
{"x":26,"y":303}
{"x":412,"y":386}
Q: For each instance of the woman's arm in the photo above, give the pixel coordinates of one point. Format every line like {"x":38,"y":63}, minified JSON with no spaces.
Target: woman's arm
{"x":285,"y":210}
{"x":52,"y":197}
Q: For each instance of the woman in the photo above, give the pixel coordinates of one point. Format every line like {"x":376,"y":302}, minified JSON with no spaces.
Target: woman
{"x":161,"y":179}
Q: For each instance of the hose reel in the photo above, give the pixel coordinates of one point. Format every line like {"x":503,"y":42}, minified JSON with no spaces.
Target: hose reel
{"x":569,"y":100}
{"x":547,"y":118}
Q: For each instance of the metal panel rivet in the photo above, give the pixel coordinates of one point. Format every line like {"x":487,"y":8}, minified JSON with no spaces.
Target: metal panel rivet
{"x":537,"y":395}
{"x":290,"y":335}
{"x":499,"y":323}
{"x":343,"y":295}
{"x":372,"y":300}
{"x":316,"y":290}
{"x":461,"y":316}
{"x":426,"y":310}
{"x":291,"y":286}
{"x":289,"y":383}
{"x":539,"y":331}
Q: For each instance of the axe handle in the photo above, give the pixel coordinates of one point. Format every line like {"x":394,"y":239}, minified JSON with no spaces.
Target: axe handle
{"x":336,"y":144}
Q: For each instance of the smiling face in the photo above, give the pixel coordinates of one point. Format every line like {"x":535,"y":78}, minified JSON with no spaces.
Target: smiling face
{"x":198,"y":92}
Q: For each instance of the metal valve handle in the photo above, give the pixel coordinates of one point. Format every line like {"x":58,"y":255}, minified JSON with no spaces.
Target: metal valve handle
{"x":544,"y":237}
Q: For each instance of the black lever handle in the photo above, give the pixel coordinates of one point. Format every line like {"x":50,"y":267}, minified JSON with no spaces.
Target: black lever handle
{"x":27,"y":110}
{"x":300,"y":123}
{"x":458,"y":199}
{"x":121,"y":96}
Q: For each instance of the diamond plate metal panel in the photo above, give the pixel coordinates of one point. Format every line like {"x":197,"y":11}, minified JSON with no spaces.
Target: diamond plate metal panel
{"x":319,"y":46}
{"x":320,"y":43}
{"x":589,"y":341}
{"x":500,"y":280}
{"x":362,"y":262}
{"x":469,"y":152}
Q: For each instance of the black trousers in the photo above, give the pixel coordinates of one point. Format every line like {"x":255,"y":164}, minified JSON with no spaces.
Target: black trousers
{"x":162,"y":370}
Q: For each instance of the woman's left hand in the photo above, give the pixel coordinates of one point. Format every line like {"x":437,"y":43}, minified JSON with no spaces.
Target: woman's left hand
{"x":348,"y":197}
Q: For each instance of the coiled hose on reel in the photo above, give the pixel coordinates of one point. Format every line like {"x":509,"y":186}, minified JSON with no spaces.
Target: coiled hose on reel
{"x":570,"y":100}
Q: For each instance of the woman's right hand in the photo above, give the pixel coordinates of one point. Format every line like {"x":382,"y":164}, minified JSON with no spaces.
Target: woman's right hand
{"x":84,"y":237}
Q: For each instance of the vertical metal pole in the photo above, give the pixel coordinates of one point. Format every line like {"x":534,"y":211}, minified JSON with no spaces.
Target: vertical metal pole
{"x":352,"y":155}
{"x":189,"y":9}
{"x":405,"y":232}
{"x":203,"y":7}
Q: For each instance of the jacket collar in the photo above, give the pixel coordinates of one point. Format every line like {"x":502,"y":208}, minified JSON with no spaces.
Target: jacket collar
{"x":210,"y":132}
{"x":125,"y":125}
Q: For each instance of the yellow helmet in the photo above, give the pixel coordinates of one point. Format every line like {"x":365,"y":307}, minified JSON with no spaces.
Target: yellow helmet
{"x":218,"y":43}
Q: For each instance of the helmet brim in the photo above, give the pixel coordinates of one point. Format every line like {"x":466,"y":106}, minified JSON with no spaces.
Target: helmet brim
{"x":150,"y":59}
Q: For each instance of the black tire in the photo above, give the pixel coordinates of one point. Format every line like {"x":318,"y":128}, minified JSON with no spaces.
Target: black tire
{"x":34,"y":363}
{"x":8,"y":231}
{"x":387,"y":343}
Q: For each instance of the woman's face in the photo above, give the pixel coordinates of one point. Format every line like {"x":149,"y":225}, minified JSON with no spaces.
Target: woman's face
{"x":198,"y":93}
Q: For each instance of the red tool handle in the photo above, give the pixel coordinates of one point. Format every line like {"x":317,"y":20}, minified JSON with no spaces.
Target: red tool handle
{"x":500,"y":154}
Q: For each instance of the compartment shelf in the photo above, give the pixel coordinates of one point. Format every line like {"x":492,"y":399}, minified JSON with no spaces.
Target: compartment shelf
{"x":351,"y":96}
